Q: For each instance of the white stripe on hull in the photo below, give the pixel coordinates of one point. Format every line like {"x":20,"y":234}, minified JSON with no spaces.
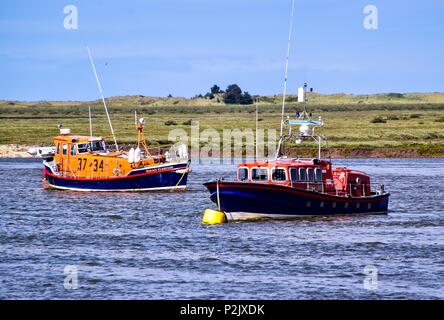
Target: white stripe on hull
{"x":242,"y":216}
{"x":118,"y":190}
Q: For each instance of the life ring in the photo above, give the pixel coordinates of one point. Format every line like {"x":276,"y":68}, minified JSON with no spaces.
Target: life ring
{"x":117,"y":172}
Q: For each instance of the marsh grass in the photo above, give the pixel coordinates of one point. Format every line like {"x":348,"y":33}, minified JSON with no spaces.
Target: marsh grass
{"x":347,"y":125}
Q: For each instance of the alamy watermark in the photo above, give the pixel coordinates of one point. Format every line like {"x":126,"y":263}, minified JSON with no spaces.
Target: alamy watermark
{"x":371,"y":17}
{"x":371,"y":277}
{"x":71,"y":280}
{"x":71,"y":21}
{"x":210,"y":146}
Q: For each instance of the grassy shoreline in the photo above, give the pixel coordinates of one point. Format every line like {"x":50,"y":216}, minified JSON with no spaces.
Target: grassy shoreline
{"x":20,"y":151}
{"x":386,"y":125}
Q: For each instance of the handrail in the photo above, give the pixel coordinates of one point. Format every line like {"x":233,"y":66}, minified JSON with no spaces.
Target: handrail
{"x":320,"y":186}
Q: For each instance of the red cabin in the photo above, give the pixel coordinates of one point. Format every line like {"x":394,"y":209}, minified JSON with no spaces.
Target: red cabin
{"x":309,"y":174}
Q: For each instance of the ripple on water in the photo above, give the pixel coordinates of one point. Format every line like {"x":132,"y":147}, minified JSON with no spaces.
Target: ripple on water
{"x":152,"y":245}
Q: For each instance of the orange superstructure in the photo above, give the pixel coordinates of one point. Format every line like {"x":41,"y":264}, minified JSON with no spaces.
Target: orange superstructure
{"x":86,"y":157}
{"x":85,"y":163}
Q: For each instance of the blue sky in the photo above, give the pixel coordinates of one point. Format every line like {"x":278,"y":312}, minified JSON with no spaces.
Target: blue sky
{"x":182,"y":47}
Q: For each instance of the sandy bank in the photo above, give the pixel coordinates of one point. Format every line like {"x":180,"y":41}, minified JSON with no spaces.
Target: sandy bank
{"x":14,"y":151}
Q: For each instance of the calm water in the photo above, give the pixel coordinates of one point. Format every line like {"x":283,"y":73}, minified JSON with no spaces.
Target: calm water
{"x":152,"y":245}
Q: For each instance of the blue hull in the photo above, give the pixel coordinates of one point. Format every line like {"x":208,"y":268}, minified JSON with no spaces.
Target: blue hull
{"x":148,"y":180}
{"x":242,"y":200}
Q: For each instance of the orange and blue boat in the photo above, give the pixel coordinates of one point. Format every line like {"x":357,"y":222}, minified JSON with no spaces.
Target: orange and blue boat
{"x":85,"y":163}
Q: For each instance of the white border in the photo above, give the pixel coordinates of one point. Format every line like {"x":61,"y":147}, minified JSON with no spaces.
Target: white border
{"x":118,"y":190}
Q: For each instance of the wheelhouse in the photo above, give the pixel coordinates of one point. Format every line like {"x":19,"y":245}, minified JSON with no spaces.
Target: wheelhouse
{"x":309,"y":174}
{"x":89,"y":157}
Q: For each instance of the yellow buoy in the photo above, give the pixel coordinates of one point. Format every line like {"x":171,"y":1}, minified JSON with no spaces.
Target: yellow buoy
{"x":213,"y":217}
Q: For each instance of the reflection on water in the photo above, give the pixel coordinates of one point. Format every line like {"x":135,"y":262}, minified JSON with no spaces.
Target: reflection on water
{"x":152,"y":245}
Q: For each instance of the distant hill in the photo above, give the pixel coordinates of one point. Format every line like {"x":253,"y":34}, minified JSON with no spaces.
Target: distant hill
{"x":313,"y":98}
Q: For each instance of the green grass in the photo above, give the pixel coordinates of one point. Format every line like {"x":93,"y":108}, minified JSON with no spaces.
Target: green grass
{"x":404,"y":121}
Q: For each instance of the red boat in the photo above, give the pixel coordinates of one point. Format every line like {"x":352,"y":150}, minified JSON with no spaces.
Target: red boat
{"x":287,"y":188}
{"x":292,"y":187}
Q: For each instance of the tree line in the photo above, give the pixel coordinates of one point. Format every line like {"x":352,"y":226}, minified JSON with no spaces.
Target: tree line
{"x":233,"y":94}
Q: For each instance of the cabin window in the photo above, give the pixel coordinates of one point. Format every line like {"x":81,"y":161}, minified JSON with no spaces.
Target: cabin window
{"x":82,"y":147}
{"x":318,"y":174}
{"x":73,"y":149}
{"x":97,"y":146}
{"x":293,"y":175}
{"x":65,"y":149}
{"x":259,"y":174}
{"x":302,"y":175}
{"x":242,"y":174}
{"x":279,"y":174}
{"x":310,"y":174}
{"x":58,"y":148}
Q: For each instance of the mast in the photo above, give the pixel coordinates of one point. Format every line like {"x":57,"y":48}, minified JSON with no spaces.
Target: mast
{"x":256,"y":138}
{"x":103,"y":98}
{"x":90,"y":125}
{"x":286,"y":67}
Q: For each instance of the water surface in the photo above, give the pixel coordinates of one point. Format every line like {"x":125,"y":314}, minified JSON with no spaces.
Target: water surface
{"x":152,"y":245}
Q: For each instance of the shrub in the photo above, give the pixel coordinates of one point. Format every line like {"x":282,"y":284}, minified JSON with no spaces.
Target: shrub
{"x":170,"y":123}
{"x":187,"y":123}
{"x":163,"y":142}
{"x":233,"y":94}
{"x":378,"y":120}
{"x":246,"y":98}
{"x":395,"y":95}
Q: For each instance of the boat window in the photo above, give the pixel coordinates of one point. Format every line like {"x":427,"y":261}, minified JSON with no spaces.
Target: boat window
{"x":97,"y":146}
{"x":310,"y":174}
{"x":82,"y":147}
{"x":293,"y":175}
{"x":242,"y":174}
{"x":259,"y":174}
{"x":318,"y":174}
{"x":65,"y":149}
{"x":58,"y":148}
{"x":302,"y":174}
{"x":278,"y":174}
{"x":73,"y":149}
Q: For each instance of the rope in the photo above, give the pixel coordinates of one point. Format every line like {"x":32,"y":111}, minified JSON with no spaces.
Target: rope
{"x":183,"y":175}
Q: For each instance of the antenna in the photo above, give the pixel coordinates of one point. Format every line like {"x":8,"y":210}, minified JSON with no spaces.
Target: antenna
{"x":257,"y":147}
{"x":103,"y":99}
{"x":286,"y":67}
{"x":90,"y":125}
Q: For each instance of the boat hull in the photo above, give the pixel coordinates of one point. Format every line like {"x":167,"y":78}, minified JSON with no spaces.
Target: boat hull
{"x":244,"y":201}
{"x":167,"y":177}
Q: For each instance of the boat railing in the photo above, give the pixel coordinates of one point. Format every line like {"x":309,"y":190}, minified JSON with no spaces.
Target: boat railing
{"x":355,"y":190}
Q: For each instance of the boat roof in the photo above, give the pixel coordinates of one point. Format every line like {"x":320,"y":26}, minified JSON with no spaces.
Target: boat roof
{"x":76,"y":138}
{"x":287,"y":162}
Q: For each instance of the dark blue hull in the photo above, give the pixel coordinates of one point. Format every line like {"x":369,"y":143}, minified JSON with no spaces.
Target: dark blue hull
{"x":148,"y":180}
{"x":242,"y":200}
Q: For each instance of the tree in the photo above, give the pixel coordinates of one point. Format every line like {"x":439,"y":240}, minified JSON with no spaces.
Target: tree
{"x":246,"y":98}
{"x":215,"y":89}
{"x":233,"y":94}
